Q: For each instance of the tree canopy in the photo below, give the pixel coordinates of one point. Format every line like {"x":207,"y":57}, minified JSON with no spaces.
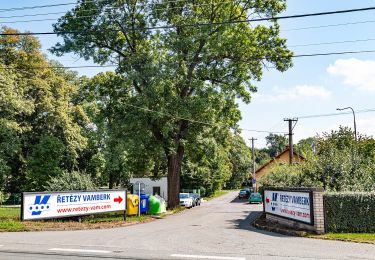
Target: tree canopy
{"x":40,"y":126}
{"x":178,"y":73}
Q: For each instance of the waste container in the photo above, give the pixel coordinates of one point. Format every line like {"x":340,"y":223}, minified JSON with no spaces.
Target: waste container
{"x":144,"y":203}
{"x":163,"y":204}
{"x":132,"y":205}
{"x":154,"y":205}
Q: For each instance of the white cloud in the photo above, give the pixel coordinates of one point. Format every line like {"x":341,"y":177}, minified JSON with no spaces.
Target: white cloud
{"x":357,"y":73}
{"x":301,"y":92}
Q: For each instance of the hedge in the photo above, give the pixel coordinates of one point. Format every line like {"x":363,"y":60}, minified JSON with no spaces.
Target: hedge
{"x":350,"y":212}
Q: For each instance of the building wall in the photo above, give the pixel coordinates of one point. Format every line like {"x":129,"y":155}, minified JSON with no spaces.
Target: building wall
{"x":283,"y":158}
{"x":149,"y":184}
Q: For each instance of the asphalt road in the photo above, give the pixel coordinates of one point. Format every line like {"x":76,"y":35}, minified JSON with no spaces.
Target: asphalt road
{"x":218,"y":229}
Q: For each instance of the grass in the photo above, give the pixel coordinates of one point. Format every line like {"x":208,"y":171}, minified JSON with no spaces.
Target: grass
{"x":218,"y":193}
{"x":352,"y":237}
{"x":9,"y":214}
{"x":10,"y":221}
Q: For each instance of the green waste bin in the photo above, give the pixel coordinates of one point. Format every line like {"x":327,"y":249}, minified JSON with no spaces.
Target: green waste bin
{"x":154,"y":205}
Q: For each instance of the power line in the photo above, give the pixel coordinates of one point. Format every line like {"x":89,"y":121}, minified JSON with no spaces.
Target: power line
{"x":335,"y":42}
{"x":12,"y":9}
{"x":200,"y":24}
{"x":337,"y":114}
{"x":114,"y":65}
{"x":60,"y":67}
{"x":76,"y":17}
{"x":332,"y":53}
{"x":328,"y":25}
{"x":196,"y":121}
{"x":34,"y":7}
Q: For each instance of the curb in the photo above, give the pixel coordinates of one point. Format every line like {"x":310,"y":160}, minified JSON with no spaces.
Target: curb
{"x":262,"y":225}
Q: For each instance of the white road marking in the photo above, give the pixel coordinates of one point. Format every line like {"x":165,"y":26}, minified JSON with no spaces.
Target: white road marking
{"x":208,"y":257}
{"x":80,"y":250}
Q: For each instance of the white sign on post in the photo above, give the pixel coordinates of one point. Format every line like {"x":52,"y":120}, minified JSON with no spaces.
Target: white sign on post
{"x":296,"y":205}
{"x":71,"y":203}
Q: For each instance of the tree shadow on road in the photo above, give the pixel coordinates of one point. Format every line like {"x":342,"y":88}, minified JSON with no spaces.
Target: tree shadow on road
{"x":246,"y":224}
{"x":237,"y":200}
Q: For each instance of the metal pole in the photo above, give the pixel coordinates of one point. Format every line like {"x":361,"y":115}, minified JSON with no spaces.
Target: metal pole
{"x":355,"y":131}
{"x":253,"y":155}
{"x":139,"y":199}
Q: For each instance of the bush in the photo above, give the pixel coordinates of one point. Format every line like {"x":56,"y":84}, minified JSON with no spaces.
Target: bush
{"x":70,"y":181}
{"x":350,"y":212}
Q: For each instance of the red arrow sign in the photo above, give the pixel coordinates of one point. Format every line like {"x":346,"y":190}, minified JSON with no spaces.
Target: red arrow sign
{"x":119,"y":199}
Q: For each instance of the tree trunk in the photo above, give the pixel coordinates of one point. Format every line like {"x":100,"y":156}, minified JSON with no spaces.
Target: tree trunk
{"x":111,"y":181}
{"x":174,"y":171}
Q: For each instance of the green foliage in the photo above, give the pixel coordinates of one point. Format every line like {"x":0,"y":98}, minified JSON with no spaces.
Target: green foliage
{"x":165,"y":76}
{"x":337,"y":166}
{"x":206,"y":165}
{"x":70,"y":181}
{"x":276,"y":144}
{"x":305,"y":147}
{"x":350,"y":212}
{"x":241,"y":160}
{"x":40,"y":123}
{"x":44,"y":162}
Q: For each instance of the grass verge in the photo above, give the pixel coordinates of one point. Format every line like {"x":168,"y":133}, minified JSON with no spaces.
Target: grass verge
{"x":10,"y":221}
{"x":217,"y":193}
{"x":350,"y":237}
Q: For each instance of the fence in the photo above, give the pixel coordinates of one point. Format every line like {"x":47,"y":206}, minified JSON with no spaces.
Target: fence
{"x":8,"y":199}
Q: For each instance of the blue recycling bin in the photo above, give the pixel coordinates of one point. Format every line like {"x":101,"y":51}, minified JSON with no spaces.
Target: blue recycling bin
{"x":144,"y":202}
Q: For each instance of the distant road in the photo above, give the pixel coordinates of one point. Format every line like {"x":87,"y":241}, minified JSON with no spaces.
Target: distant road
{"x":219,"y":229}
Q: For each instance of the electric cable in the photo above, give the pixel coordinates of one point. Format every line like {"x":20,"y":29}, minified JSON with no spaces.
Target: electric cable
{"x":200,"y":24}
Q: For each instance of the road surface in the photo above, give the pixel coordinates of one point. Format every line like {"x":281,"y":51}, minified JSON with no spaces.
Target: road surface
{"x":218,"y":229}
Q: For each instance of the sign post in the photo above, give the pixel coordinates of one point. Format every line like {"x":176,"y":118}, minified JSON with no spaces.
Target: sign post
{"x":45,"y":205}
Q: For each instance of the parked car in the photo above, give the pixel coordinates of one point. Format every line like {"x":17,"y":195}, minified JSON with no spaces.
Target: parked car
{"x":255,"y":197}
{"x":196,"y":199}
{"x":244,"y":194}
{"x":186,"y":200}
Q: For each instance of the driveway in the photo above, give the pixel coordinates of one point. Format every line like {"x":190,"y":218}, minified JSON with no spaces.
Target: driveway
{"x":218,"y":229}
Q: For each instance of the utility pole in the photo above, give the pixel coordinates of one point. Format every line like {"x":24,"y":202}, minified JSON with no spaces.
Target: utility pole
{"x":291,"y":127}
{"x":253,"y":155}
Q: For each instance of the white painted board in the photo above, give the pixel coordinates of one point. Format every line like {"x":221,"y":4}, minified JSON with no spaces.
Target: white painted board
{"x":71,"y":203}
{"x":294,"y":205}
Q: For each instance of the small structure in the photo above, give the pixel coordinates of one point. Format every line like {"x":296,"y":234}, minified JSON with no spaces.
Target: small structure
{"x":150,"y":186}
{"x":281,"y":158}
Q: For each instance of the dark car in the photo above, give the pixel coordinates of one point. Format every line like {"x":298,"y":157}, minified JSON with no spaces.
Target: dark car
{"x":244,"y":194}
{"x":197,"y":199}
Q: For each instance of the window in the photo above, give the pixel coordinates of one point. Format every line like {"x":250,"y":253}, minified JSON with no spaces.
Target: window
{"x":156,"y":191}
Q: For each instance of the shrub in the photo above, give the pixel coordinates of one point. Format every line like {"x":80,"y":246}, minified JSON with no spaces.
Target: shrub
{"x":350,"y":212}
{"x":70,"y":181}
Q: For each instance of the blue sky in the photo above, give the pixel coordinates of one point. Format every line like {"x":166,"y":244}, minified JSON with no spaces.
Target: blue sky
{"x":315,"y":85}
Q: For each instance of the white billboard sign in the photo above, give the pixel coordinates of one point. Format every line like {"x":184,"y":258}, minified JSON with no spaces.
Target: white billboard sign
{"x":71,"y":203}
{"x":296,"y":205}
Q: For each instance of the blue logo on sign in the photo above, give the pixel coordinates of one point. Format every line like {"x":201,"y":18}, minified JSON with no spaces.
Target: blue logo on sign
{"x":274,"y":196}
{"x":40,"y":205}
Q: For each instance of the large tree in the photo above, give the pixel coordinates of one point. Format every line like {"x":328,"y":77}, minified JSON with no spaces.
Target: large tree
{"x":40,"y":126}
{"x":179,"y":61}
{"x":276,"y":144}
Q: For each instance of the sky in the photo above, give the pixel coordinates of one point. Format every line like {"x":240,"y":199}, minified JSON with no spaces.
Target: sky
{"x":313,"y":86}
